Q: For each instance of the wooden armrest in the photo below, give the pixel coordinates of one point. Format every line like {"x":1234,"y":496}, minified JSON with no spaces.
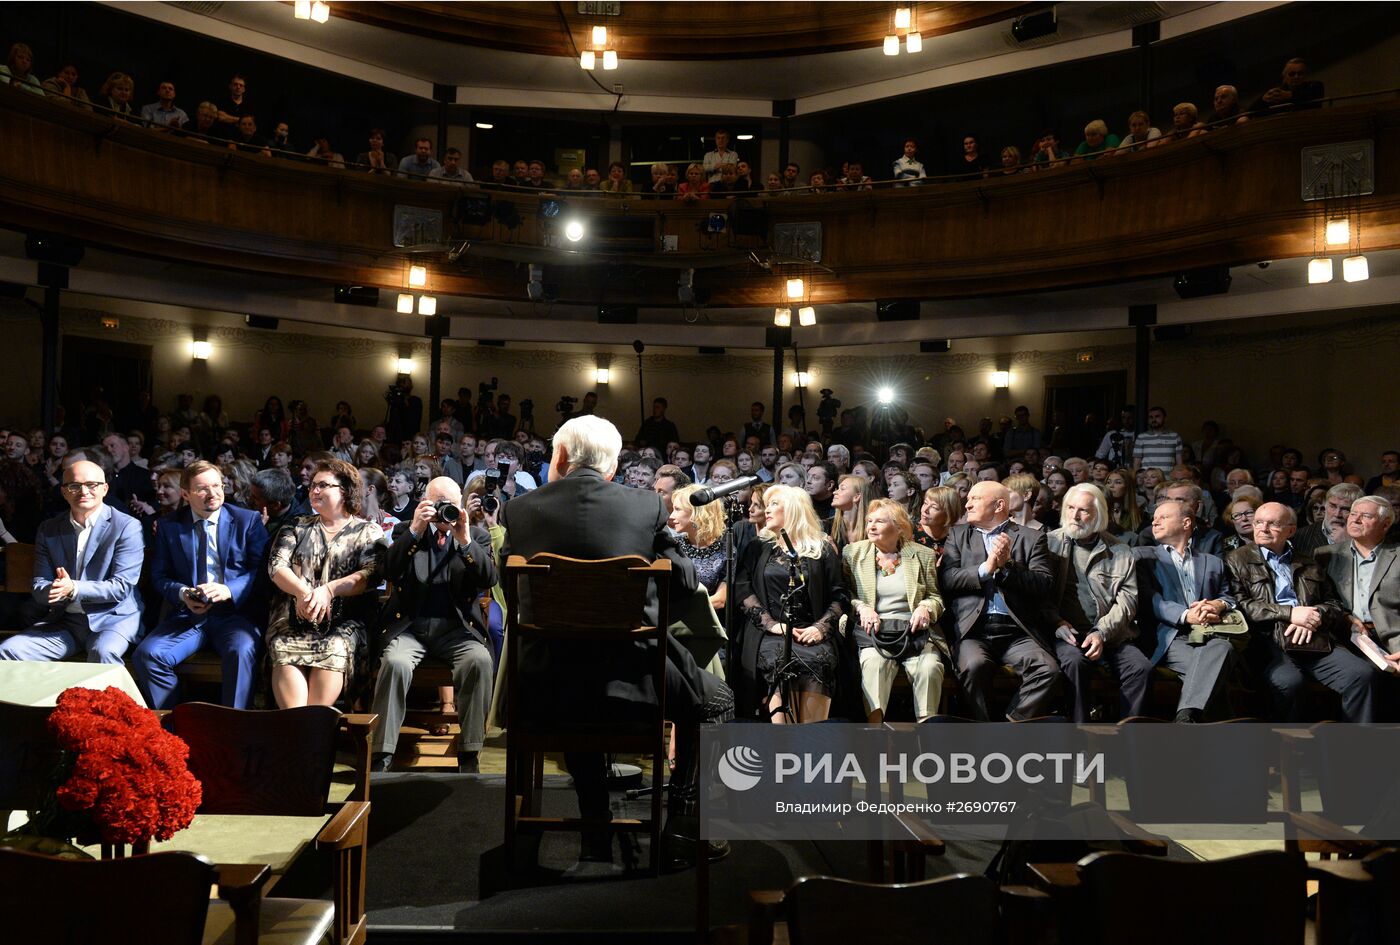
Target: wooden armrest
{"x":241,"y":886}
{"x":1321,"y":828}
{"x":1349,"y":871}
{"x":922,"y":834}
{"x":767,"y":907}
{"x":357,"y":722}
{"x":768,"y":898}
{"x":1136,"y":839}
{"x":347,"y":828}
{"x":1027,"y":914}
{"x":1057,"y":876}
{"x":360,"y":726}
{"x":1029,"y":893}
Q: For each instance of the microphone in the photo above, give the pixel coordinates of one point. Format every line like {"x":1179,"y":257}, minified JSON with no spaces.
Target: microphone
{"x":708,"y":495}
{"x":787,"y":543}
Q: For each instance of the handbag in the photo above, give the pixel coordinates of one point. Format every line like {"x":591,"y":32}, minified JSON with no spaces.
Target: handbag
{"x":1232,"y":625}
{"x":1318,"y":644}
{"x":894,"y":640}
{"x":295,"y":620}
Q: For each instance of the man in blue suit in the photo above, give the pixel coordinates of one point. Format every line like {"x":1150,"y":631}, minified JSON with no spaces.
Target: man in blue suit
{"x":205,"y":565}
{"x":87,"y":562}
{"x":1188,"y":587}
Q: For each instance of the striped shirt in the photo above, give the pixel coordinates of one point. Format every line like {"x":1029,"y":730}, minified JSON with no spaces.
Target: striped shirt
{"x":1158,"y":449}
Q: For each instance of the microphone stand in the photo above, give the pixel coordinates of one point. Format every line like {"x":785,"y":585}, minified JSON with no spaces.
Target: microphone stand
{"x":786,"y":671}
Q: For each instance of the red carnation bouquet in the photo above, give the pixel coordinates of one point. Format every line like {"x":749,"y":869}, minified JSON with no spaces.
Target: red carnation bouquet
{"x":122,"y":772}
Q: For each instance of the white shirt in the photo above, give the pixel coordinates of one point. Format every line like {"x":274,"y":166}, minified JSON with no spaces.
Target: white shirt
{"x":213,"y":533}
{"x":84,"y":533}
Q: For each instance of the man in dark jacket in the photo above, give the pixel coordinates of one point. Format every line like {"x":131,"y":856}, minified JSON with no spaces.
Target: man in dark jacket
{"x":439,"y":569}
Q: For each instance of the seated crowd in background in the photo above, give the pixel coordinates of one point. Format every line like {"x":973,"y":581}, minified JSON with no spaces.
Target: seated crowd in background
{"x":1093,"y":544}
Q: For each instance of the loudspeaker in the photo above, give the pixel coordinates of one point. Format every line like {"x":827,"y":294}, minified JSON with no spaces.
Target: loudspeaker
{"x":704,"y":350}
{"x":1142,"y":315}
{"x":897,"y":310}
{"x":617,"y":314}
{"x":936,"y":346}
{"x":472,"y":209}
{"x":13,"y":290}
{"x":1171,"y":333}
{"x":776,"y":337}
{"x":1199,"y":282}
{"x":490,"y":344}
{"x":53,"y":275}
{"x":748,"y":219}
{"x":784,"y":107}
{"x":445,"y":93}
{"x":437,"y":326}
{"x":1034,"y":26}
{"x":366,"y":295}
{"x":261,"y":321}
{"x":46,"y":247}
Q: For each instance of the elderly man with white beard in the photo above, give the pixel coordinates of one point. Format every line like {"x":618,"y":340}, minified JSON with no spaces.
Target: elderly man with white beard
{"x":1093,"y":606}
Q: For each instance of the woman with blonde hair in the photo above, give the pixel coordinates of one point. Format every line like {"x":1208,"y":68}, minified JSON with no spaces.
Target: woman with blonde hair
{"x":116,"y":95}
{"x":816,"y":597}
{"x":941,"y":509}
{"x":701,"y":538}
{"x":894,"y":594}
{"x":850,"y":500}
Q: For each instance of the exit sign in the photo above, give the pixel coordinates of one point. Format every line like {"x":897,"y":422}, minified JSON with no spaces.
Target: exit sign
{"x":601,"y":8}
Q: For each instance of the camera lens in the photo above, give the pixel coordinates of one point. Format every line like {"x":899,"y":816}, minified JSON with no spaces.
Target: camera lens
{"x":489,"y":504}
{"x":447,"y":512}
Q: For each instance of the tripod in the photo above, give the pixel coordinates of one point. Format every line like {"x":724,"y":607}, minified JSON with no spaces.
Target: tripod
{"x":785,"y":673}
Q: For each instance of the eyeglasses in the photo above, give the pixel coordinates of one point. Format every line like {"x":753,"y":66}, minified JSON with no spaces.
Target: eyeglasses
{"x":1267,"y":523}
{"x":322,"y":486}
{"x":206,"y":491}
{"x":77,"y":488}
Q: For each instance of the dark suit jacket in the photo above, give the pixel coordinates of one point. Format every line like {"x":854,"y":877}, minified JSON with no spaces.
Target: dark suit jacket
{"x":471,"y":570}
{"x":1024,"y":583}
{"x":1336,"y":563}
{"x":1253,"y":584}
{"x":586,"y":516}
{"x":1169,"y":599}
{"x":242,"y":548}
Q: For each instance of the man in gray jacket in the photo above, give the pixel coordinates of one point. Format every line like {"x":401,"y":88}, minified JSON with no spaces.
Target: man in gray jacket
{"x":1093,"y":606}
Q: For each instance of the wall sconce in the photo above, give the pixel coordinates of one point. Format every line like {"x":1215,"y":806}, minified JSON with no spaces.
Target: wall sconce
{"x":1354,"y":269}
{"x":200,"y":350}
{"x":427,"y":305}
{"x":1001,"y":380}
{"x":1338,"y":232}
{"x":417,"y":276}
{"x":609,"y":59}
{"x":600,"y":36}
{"x":405,"y":306}
{"x":302,"y":9}
{"x":901,"y":18}
{"x":403,"y":365}
{"x":586,"y":60}
{"x":602,"y":375}
{"x":1319,"y":270}
{"x":891,"y":45}
{"x":782,"y":317}
{"x":801,"y":379}
{"x":796,"y":288}
{"x":320,"y":11}
{"x":806,"y":316}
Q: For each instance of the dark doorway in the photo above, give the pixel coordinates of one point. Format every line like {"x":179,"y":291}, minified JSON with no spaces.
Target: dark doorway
{"x":1076,"y":408}
{"x":101,"y":383}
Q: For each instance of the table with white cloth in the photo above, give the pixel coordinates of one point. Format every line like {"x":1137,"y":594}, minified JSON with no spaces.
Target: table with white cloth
{"x":24,"y":682}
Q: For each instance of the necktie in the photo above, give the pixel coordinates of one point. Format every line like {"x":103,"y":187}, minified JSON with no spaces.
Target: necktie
{"x":212,"y":565}
{"x":442,"y":539}
{"x":201,"y":558}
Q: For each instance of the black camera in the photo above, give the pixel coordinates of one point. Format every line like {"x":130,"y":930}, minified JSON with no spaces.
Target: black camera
{"x":565,"y":405}
{"x":527,"y":410}
{"x":393,"y":395}
{"x":826,"y":409}
{"x":486,"y":387}
{"x":489,"y":504}
{"x":447,"y":511}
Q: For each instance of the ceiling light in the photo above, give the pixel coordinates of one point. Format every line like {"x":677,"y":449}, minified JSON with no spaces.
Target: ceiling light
{"x":801,"y":379}
{"x":200,"y":350}
{"x":602,"y":375}
{"x":1001,"y":380}
{"x":585,"y":59}
{"x":885,"y":395}
{"x":1338,"y":232}
{"x":417,"y":276}
{"x":914,"y":42}
{"x":485,"y":125}
{"x":320,"y":11}
{"x":806,"y":316}
{"x":795,"y":288}
{"x":782,"y":317}
{"x":1354,"y":269}
{"x":744,"y":137}
{"x":1319,"y":270}
{"x":600,"y":36}
{"x":404,"y":365}
{"x":427,"y":305}
{"x":573,"y":230}
{"x":302,"y":9}
{"x":901,"y":18}
{"x":405,"y":306}
{"x":891,"y":45}
{"x":610,"y":59}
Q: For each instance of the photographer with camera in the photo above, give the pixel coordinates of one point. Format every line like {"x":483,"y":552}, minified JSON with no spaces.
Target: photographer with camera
{"x":439,"y":565}
{"x":504,"y":470}
{"x":403,"y":415}
{"x":1117,"y":445}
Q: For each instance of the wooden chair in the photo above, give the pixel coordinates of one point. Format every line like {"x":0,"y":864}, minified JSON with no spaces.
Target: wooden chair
{"x":279,"y":763}
{"x":28,"y":756}
{"x":1109,"y":898}
{"x":603,"y":603}
{"x":1356,"y":768}
{"x":951,"y":910}
{"x":19,"y":568}
{"x":1354,"y":893}
{"x":52,"y":901}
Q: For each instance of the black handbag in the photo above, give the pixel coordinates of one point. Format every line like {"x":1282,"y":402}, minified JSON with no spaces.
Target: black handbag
{"x":894,"y":640}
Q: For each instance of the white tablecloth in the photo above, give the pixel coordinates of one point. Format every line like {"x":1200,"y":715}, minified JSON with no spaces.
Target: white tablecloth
{"x":29,"y":683}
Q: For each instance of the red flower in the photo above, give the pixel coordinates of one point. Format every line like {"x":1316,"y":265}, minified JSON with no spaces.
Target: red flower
{"x":130,"y":775}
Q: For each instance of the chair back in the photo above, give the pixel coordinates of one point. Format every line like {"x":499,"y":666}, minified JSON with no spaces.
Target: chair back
{"x":824,"y":909}
{"x":1147,"y":900}
{"x":29,"y":755}
{"x":1159,"y":753}
{"x":158,"y":899}
{"x":19,"y":568}
{"x":577,"y":599}
{"x":1358,"y":776}
{"x":265,"y":762}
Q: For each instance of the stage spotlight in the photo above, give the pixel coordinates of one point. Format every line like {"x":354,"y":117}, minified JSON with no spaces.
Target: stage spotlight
{"x":885,"y":395}
{"x":573,"y":231}
{"x":716,"y":223}
{"x":549,"y":209}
